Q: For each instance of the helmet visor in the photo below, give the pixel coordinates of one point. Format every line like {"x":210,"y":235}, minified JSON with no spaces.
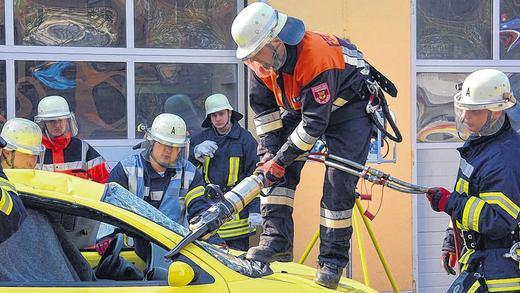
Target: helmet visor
{"x":476,"y":123}
{"x":26,"y":157}
{"x":166,"y":156}
{"x":58,"y":126}
{"x":269,"y":59}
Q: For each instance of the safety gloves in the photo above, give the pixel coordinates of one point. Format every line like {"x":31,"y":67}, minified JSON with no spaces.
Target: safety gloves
{"x":254,"y":220}
{"x":438,"y":197}
{"x":448,"y":256}
{"x":206,"y":148}
{"x":271,"y":170}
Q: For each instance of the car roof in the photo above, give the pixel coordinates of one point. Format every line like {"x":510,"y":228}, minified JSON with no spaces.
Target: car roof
{"x":55,"y":185}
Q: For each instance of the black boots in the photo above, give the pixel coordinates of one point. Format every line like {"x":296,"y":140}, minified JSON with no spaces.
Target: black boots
{"x":266,"y":254}
{"x":328,"y":275}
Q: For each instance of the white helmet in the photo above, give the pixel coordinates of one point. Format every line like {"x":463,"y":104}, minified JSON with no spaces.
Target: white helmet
{"x":55,"y":108}
{"x":24,"y":136}
{"x":258,"y":24}
{"x":486,"y":89}
{"x":170,"y":130}
{"x":215,"y":103}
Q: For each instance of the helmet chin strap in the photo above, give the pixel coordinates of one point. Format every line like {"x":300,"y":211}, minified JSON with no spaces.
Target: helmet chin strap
{"x":10,"y":161}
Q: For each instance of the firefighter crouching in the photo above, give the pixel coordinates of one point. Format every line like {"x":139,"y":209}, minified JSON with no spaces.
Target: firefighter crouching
{"x":486,"y":200}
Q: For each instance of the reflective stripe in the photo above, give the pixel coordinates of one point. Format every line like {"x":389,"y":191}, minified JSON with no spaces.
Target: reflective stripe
{"x":462,"y":186}
{"x":335,"y":219}
{"x":335,"y":224}
{"x":132,"y":178}
{"x":156,"y":195}
{"x":501,"y":285}
{"x":471,"y":213}
{"x":8,"y":185}
{"x":354,"y":61}
{"x":77,"y":165}
{"x":463,"y":259}
{"x":338,"y":103}
{"x":6,"y":202}
{"x":263,"y":129}
{"x":193,"y":194}
{"x":94,"y":162}
{"x":234,"y":228}
{"x":207,"y":160}
{"x":301,"y":139}
{"x":474,"y":287}
{"x":466,"y":168}
{"x":279,"y":196}
{"x":502,"y":201}
{"x":268,"y":122}
{"x":234,"y":167}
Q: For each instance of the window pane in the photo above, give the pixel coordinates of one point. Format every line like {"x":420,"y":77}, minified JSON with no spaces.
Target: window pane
{"x":181,"y":89}
{"x":454,"y":29}
{"x":509,"y":29}
{"x":96,"y":92}
{"x":3,"y":100}
{"x":435,"y":114}
{"x":184,"y":24}
{"x":83,"y":23}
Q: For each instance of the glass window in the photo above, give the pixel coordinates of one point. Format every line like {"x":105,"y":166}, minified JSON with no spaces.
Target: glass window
{"x":454,"y":29}
{"x":184,"y":24}
{"x":3,"y":100}
{"x":2,"y":22}
{"x":95,"y":91}
{"x":99,"y":23}
{"x":435,"y":113}
{"x":509,"y":29}
{"x":181,"y":89}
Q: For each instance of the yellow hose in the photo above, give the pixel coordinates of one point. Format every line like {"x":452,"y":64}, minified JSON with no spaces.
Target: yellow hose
{"x":362,"y":256}
{"x":377,"y":247}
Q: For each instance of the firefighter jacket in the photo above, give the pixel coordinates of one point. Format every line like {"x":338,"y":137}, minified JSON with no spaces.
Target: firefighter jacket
{"x":12,"y":211}
{"x":486,"y":206}
{"x":178,"y":193}
{"x":74,"y":156}
{"x":234,"y":160}
{"x":321,"y":74}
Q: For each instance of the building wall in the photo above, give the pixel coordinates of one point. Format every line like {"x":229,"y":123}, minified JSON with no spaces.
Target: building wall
{"x":384,"y":38}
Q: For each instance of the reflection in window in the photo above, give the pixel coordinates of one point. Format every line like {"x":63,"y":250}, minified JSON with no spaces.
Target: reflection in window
{"x":95,"y":91}
{"x":99,"y":23}
{"x":435,"y":113}
{"x":181,"y":89}
{"x":2,"y":22}
{"x":454,"y":29}
{"x":509,"y":29}
{"x":3,"y":99}
{"x":184,"y":24}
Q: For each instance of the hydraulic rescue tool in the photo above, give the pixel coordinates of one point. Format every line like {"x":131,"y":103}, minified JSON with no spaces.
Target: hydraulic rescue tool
{"x":233,"y":201}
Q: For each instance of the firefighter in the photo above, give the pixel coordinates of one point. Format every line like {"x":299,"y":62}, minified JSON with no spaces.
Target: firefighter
{"x":21,"y":143}
{"x":66,"y":153}
{"x":486,"y":200}
{"x":320,"y":81}
{"x":162,"y":174}
{"x":227,"y":154}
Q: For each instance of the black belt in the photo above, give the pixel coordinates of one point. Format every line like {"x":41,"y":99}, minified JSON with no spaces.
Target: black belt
{"x":477,"y":241}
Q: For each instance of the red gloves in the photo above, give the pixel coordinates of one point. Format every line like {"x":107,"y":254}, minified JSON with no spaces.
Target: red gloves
{"x":272,"y":172}
{"x":438,"y":197}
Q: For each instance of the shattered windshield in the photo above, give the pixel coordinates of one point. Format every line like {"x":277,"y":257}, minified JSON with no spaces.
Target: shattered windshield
{"x":116,"y":195}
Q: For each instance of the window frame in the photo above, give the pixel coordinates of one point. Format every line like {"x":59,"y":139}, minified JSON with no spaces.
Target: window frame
{"x":129,"y":55}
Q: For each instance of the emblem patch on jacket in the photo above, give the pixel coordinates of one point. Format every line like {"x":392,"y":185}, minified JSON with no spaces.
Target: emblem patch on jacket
{"x":321,"y":93}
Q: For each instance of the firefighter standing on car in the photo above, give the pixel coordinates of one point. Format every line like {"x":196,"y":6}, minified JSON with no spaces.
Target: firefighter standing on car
{"x":162,"y":174}
{"x":227,"y":154}
{"x":21,"y":143}
{"x":486,"y":200}
{"x":65,"y":153}
{"x":320,"y":81}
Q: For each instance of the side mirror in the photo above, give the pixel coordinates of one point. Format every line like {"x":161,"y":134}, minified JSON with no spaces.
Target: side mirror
{"x":180,"y":274}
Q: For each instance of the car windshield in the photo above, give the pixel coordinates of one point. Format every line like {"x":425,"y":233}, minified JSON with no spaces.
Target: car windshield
{"x":116,"y":195}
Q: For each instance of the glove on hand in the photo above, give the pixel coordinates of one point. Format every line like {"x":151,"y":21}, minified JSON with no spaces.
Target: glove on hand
{"x":438,"y":197}
{"x":448,"y":256}
{"x":206,"y":148}
{"x":272,"y":172}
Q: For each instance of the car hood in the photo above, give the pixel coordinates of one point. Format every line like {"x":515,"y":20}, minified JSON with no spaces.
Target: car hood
{"x":293,"y":277}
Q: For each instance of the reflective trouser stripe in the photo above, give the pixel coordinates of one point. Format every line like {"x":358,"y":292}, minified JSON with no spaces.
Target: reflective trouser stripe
{"x":335,"y":219}
{"x":471,"y":213}
{"x":6,"y":202}
{"x":207,"y":160}
{"x":462,"y":186}
{"x":193,"y":194}
{"x":463,"y":259}
{"x":234,"y":166}
{"x":503,"y":285}
{"x":279,"y":196}
{"x":500,"y":199}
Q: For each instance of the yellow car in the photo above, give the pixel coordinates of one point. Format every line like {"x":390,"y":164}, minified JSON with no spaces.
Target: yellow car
{"x":40,"y":257}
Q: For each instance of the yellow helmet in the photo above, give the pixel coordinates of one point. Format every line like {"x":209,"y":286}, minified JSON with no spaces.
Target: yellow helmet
{"x":23,"y":136}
